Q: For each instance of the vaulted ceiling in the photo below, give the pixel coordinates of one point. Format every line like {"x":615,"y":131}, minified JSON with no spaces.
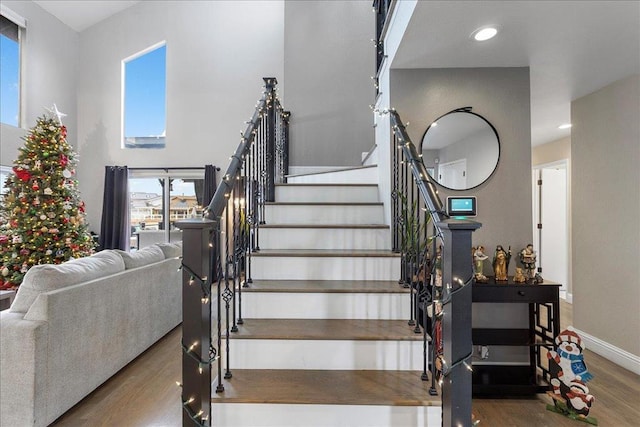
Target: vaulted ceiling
{"x":572,"y":47}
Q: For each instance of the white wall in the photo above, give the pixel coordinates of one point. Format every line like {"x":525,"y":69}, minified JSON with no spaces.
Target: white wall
{"x":217,"y":54}
{"x":50,"y":63}
{"x":605,"y":154}
{"x":329,"y":61}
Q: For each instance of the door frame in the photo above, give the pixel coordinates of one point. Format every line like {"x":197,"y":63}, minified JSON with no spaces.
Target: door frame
{"x":568,"y":287}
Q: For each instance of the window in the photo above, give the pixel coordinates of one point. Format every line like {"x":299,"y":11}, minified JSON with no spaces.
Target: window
{"x":9,"y":70}
{"x":144,"y":98}
{"x":4,"y":174}
{"x":157,"y":199}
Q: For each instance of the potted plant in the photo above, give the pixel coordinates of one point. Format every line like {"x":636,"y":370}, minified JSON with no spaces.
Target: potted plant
{"x":413,"y":242}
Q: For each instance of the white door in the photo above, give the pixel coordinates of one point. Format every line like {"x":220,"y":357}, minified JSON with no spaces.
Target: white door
{"x":550,"y":204}
{"x":453,"y":174}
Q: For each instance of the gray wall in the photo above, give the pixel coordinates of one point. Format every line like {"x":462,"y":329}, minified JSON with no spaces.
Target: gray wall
{"x":605,"y":154}
{"x":50,"y":63}
{"x":329,"y":59}
{"x":500,"y":95}
{"x":217,"y":54}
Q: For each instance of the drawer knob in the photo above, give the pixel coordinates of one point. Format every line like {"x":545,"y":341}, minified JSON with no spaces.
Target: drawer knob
{"x":521,"y":293}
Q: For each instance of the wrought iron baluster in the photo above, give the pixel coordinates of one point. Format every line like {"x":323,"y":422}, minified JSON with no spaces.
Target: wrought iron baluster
{"x":218,"y":262}
{"x":227,"y":294}
{"x":286,"y":116}
{"x":235,"y":197}
{"x":413,"y":254}
{"x":394,"y":194}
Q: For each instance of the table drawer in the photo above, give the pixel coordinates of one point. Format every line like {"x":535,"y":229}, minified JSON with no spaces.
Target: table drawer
{"x":524,"y":294}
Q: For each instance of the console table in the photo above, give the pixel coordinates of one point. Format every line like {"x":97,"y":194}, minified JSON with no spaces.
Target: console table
{"x":544,"y":324}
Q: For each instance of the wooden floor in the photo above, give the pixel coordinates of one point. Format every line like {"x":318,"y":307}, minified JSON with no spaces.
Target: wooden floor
{"x":144,"y":393}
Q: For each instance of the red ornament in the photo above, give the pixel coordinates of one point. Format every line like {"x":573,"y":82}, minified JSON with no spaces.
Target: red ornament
{"x":63,"y":131}
{"x":35,"y":186}
{"x":64,"y":160}
{"x":22,"y":174}
{"x":3,"y":239}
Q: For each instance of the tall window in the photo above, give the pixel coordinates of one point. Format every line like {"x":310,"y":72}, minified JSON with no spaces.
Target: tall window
{"x":9,"y":72}
{"x":157,"y":199}
{"x":144,"y":98}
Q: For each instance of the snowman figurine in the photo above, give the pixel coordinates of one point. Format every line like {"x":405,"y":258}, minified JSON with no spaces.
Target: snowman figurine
{"x":569,"y":374}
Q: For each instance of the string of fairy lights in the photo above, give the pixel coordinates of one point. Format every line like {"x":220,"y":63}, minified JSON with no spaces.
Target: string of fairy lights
{"x":268,"y":101}
{"x":406,"y":146}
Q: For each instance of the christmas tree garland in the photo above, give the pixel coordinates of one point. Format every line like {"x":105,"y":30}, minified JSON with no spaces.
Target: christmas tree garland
{"x":42,"y":216}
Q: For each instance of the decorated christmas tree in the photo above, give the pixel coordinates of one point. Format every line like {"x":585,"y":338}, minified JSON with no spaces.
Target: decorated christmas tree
{"x":42,"y":218}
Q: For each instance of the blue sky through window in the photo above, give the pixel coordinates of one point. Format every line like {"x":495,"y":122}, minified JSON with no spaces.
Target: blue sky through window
{"x":9,"y":80}
{"x":145,"y":94}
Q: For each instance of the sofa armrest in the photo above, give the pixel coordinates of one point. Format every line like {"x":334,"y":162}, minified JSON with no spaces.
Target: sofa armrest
{"x":23,"y":345}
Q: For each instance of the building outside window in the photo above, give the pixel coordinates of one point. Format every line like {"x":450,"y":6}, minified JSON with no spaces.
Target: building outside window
{"x":157,"y":199}
{"x":144,"y":98}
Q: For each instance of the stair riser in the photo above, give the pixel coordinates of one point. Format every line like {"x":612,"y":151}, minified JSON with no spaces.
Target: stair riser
{"x":276,"y":305}
{"x":368,"y":194}
{"x":326,"y":354}
{"x":325,"y":238}
{"x":325,"y":268}
{"x":279,"y":415}
{"x":351,"y":176}
{"x":326,"y":214}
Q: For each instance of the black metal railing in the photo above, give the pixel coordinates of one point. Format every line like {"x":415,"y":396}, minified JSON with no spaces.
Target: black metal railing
{"x":382,"y":9}
{"x":217,"y":253}
{"x":440,"y":298}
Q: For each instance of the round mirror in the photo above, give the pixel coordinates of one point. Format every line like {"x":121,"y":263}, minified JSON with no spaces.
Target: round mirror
{"x":460,"y":149}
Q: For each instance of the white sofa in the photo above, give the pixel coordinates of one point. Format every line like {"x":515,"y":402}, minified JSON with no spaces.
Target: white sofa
{"x":74,"y":325}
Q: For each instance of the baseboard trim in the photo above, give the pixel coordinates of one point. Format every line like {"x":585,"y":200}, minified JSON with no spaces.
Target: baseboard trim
{"x":610,"y":352}
{"x":568,"y":298}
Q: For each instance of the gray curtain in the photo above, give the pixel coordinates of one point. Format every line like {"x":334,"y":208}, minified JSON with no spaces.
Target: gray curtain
{"x":209,"y":184}
{"x":115,"y":229}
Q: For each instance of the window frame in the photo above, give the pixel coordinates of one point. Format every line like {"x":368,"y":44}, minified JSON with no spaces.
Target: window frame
{"x":123,"y":66}
{"x":166,"y":175}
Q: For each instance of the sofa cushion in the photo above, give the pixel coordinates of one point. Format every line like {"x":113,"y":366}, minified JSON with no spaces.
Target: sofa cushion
{"x":171,"y":250}
{"x":49,"y":277}
{"x":144,"y":256}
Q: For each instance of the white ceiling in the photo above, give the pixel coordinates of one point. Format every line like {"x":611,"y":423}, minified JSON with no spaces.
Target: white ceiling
{"x":80,"y":15}
{"x":573,"y":48}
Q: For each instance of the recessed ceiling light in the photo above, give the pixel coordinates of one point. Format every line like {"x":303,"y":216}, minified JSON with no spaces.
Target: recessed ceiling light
{"x":485,"y":33}
{"x":565,"y":126}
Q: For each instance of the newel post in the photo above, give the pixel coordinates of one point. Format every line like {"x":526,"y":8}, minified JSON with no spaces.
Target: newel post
{"x":457,"y":270}
{"x":270,"y":178}
{"x":197,"y":359}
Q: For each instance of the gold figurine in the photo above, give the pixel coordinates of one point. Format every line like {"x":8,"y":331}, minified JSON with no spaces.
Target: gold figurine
{"x":501,"y":260}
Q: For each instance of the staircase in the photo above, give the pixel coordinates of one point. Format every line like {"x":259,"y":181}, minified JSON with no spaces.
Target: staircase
{"x":325,"y":339}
